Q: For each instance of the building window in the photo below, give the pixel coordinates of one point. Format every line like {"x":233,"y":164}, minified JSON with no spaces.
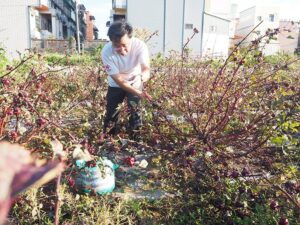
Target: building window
{"x":46,"y":22}
{"x":188,"y":26}
{"x":259,"y":18}
{"x":212,"y":28}
{"x":271,"y":18}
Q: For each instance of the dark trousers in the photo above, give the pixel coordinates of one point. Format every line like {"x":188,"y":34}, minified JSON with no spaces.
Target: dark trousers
{"x":114,"y":97}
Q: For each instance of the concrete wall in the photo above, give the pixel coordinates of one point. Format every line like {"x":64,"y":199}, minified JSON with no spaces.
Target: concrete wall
{"x":193,"y":16}
{"x":14,"y":25}
{"x":44,"y":45}
{"x":264,"y":11}
{"x":174,"y":25}
{"x":215,"y":36}
{"x":148,"y":15}
{"x":63,"y":46}
{"x":91,"y":45}
{"x":246,"y":23}
{"x":174,"y":20}
{"x":288,"y":36}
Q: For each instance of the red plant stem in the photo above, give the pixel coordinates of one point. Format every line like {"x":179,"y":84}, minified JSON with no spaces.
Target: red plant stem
{"x":20,"y":64}
{"x":216,"y":80}
{"x":294,"y":201}
{"x":227,"y":88}
{"x":190,"y":118}
{"x":52,"y":122}
{"x":222,"y":120}
{"x":236,"y":47}
{"x":64,"y":130}
{"x":163,"y":136}
{"x":222,"y":97}
{"x":40,"y":74}
{"x":260,"y":81}
{"x":266,"y":138}
{"x":244,"y":131}
{"x":151,"y":35}
{"x":188,"y":41}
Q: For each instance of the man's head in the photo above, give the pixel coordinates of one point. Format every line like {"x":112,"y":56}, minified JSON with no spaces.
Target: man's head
{"x":120,"y":33}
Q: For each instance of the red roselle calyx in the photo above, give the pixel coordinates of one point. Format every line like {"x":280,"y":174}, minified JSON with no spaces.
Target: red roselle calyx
{"x":9,"y":111}
{"x":130,"y":160}
{"x":17,"y":111}
{"x":13,"y":134}
{"x":283,"y":221}
{"x":41,"y":122}
{"x":274,"y":205}
{"x":5,"y":81}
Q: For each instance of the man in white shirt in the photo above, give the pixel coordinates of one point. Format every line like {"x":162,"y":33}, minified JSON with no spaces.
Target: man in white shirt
{"x":126,"y":61}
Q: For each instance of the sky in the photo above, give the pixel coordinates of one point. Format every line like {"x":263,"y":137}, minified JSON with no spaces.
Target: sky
{"x":101,"y":10}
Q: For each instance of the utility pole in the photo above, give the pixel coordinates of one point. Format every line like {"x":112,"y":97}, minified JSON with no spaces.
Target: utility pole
{"x":202,"y":29}
{"x":77,"y":27}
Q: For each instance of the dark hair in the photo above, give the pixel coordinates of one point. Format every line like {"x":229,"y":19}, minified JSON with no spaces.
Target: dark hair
{"x":118,"y":29}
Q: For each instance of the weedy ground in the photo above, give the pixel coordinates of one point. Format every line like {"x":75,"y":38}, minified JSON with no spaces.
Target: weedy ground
{"x":221,"y":139}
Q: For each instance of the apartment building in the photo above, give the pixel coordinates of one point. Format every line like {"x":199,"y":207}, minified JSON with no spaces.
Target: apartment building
{"x":91,"y":29}
{"x":268,"y":16}
{"x":118,"y":10}
{"x":175,"y":21}
{"x":22,"y":21}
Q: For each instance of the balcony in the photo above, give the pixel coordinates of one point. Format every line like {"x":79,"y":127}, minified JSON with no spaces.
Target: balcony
{"x":119,"y":4}
{"x":44,"y":6}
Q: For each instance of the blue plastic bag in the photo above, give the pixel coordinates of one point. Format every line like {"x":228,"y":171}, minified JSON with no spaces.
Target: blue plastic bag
{"x":99,"y":179}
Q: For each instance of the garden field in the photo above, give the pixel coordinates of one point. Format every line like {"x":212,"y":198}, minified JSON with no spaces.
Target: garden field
{"x":220,"y":142}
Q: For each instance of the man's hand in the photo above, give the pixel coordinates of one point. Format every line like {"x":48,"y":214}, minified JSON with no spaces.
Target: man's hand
{"x":145,"y":95}
{"x":129,"y":88}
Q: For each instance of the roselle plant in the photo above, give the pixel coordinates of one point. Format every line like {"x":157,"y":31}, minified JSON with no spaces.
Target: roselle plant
{"x":225,"y":130}
{"x":37,"y":97}
{"x":235,"y":110}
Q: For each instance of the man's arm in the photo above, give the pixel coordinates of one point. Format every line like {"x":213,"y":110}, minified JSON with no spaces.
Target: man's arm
{"x":145,"y":73}
{"x":118,"y":78}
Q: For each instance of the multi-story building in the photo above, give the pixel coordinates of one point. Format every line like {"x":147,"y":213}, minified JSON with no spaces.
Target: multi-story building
{"x":119,"y":10}
{"x":289,"y":36}
{"x":82,"y":22}
{"x":91,"y":29}
{"x":268,"y":16}
{"x":24,"y":20}
{"x":175,"y":22}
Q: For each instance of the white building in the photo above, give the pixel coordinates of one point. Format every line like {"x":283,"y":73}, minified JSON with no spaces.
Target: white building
{"x":23,"y":20}
{"x":268,"y":16}
{"x":175,"y":21}
{"x":289,"y":36}
{"x":215,"y":36}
